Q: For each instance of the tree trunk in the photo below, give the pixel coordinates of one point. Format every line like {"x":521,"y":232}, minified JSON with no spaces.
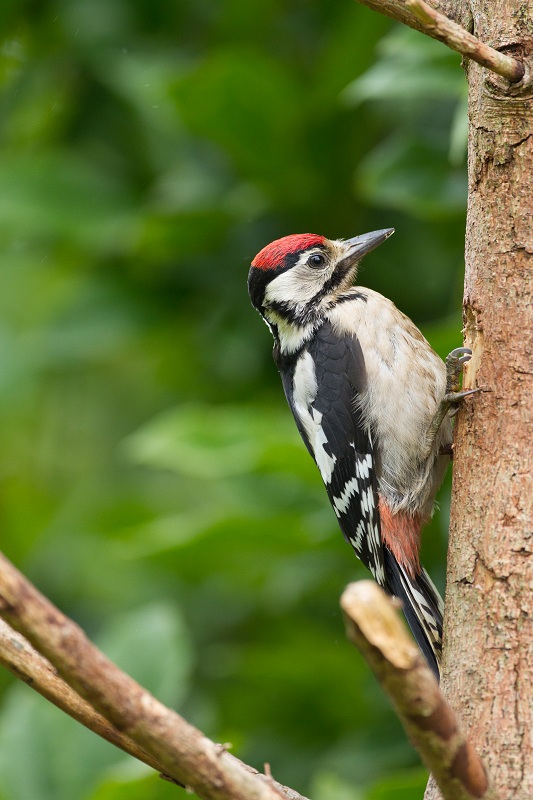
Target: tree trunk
{"x":488,"y":659}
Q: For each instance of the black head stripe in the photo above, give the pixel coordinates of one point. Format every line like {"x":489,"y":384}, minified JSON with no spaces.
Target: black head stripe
{"x":291,"y":259}
{"x":336,"y":279}
{"x":258,"y":279}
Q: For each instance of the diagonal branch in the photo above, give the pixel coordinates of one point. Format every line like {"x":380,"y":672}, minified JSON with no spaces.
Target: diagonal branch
{"x":427,"y":19}
{"x":19,"y":657}
{"x":460,"y":40}
{"x":373,"y":624}
{"x":170,"y":744}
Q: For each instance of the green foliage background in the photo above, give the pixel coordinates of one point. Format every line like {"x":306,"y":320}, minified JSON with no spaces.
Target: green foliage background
{"x":152,"y":483}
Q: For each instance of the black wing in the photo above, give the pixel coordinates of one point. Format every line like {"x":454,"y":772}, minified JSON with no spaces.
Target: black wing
{"x":323,"y":383}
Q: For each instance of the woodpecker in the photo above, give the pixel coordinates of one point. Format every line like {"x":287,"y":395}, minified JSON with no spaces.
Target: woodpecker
{"x":373,"y":404}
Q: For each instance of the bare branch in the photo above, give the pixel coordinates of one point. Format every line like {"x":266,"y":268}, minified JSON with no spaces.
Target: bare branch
{"x":373,"y":624}
{"x":25,"y":663}
{"x":427,"y":19}
{"x":399,"y":11}
{"x":174,"y":746}
{"x":455,"y":37}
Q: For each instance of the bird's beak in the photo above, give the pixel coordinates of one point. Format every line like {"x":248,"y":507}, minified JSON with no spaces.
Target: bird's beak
{"x":359,"y":246}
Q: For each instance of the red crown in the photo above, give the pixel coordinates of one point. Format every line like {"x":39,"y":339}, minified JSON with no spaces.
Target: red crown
{"x":274,"y":254}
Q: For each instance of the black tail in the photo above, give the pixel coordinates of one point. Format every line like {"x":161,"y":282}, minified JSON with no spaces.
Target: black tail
{"x":422,"y":606}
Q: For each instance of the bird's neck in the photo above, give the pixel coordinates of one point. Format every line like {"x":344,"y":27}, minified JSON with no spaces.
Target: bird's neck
{"x":291,"y":328}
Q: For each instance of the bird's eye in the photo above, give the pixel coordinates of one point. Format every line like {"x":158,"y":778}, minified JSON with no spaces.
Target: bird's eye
{"x":316,"y":261}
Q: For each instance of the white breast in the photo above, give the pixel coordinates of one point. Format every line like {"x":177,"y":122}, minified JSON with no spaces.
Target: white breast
{"x":406,"y":381}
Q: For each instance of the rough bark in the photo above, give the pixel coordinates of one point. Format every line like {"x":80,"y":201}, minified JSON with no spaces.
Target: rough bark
{"x":488,"y":658}
{"x":374,"y":626}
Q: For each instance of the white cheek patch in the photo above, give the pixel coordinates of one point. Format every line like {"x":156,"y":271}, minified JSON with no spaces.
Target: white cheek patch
{"x":297,"y":286}
{"x":304,"y":393}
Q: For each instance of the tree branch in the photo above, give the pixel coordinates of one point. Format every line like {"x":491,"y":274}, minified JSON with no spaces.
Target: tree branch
{"x":426,"y":19}
{"x":373,"y":624}
{"x":460,"y":40}
{"x":140,"y":724}
{"x":19,"y":657}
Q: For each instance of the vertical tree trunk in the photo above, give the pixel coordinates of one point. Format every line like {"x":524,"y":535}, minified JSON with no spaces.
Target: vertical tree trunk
{"x":488,"y":666}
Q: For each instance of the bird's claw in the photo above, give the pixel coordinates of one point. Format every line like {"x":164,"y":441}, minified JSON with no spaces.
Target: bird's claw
{"x":454,"y":398}
{"x":461,"y":353}
{"x":454,"y":368}
{"x":449,"y":405}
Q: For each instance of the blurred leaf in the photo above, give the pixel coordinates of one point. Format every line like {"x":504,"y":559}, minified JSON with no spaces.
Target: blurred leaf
{"x":247,"y":102}
{"x":413,"y":170}
{"x":328,"y":786}
{"x":169,"y":532}
{"x":403,"y":173}
{"x":459,"y":133}
{"x":45,"y":754}
{"x":212,"y":442}
{"x":408,"y":66}
{"x":60,"y":194}
{"x":125,"y":785}
{"x":153,"y":646}
{"x":400,"y":786}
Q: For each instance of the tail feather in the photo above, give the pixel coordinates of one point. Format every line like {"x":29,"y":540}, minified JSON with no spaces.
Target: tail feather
{"x":422,"y":606}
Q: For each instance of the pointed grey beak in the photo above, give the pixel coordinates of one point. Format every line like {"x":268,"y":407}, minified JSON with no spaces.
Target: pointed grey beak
{"x":359,"y":246}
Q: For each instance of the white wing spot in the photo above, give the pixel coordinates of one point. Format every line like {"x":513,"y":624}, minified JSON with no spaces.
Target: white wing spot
{"x":340,"y":504}
{"x":304,"y":392}
{"x":358,"y":539}
{"x":365,"y":507}
{"x":379,"y":573}
{"x":369,"y":499}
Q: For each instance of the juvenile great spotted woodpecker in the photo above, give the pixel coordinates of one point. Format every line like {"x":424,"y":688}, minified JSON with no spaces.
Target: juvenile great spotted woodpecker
{"x":372,"y":402}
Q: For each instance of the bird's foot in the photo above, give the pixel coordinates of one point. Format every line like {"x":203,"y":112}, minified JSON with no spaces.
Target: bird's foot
{"x":449,"y":404}
{"x":454,"y":369}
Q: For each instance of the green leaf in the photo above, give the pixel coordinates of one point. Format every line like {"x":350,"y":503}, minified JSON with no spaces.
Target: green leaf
{"x":250,"y":104}
{"x":45,"y":754}
{"x":329,"y":786}
{"x":52,"y":193}
{"x":406,"y":173}
{"x":152,"y":645}
{"x":124,"y":784}
{"x":212,"y":442}
{"x":409,"y":66}
{"x":402,"y":785}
